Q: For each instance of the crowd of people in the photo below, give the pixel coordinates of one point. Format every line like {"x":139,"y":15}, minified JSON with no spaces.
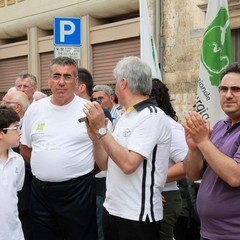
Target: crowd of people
{"x":115,"y":174}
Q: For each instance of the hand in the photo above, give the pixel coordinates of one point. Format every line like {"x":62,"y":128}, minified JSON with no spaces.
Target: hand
{"x":197,"y":129}
{"x":95,"y":117}
{"x":191,"y":144}
{"x":163,"y":200}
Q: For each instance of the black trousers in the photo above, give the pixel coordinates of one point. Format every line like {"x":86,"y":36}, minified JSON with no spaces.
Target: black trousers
{"x":116,"y":228}
{"x":64,"y":210}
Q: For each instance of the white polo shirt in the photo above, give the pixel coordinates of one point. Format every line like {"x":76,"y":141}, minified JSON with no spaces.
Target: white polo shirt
{"x":61,"y":147}
{"x":179,"y":149}
{"x":138,"y":195}
{"x":12,"y":175}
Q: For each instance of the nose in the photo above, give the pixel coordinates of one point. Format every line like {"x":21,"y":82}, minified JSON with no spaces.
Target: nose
{"x":229,"y":93}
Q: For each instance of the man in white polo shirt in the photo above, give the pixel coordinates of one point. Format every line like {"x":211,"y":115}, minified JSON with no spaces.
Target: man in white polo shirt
{"x":63,"y":189}
{"x":135,"y":155}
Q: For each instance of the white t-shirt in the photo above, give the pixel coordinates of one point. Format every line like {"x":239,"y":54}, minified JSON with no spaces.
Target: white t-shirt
{"x":138,"y":195}
{"x":12,"y":175}
{"x":179,"y":149}
{"x":61,"y":147}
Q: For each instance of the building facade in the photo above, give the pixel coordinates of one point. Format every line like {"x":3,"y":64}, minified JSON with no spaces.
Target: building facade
{"x":110,"y":31}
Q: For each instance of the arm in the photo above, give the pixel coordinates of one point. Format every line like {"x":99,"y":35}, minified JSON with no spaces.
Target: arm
{"x":176,"y":172}
{"x":225,"y":167}
{"x":26,"y":152}
{"x":193,"y":163}
{"x":127,"y":160}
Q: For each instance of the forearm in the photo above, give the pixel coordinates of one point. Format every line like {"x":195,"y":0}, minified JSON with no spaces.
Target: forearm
{"x":26,"y":152}
{"x":225,"y":167}
{"x":176,"y":172}
{"x":126,"y":160}
{"x":100,"y":155}
{"x":193,"y":165}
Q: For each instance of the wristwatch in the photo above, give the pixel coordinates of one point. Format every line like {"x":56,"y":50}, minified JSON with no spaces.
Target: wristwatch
{"x":101,"y":132}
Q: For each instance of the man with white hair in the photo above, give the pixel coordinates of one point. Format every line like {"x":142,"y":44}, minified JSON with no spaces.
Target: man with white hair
{"x":135,"y":155}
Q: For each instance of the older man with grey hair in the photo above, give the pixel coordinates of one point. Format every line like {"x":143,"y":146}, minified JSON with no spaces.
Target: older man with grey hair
{"x":105,"y":95}
{"x":136,"y":175}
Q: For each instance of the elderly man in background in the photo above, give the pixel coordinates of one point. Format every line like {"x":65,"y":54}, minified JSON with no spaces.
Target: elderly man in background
{"x":27,"y":83}
{"x":105,"y":95}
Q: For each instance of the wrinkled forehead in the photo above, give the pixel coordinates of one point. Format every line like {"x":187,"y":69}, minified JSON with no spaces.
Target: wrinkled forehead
{"x":24,"y":81}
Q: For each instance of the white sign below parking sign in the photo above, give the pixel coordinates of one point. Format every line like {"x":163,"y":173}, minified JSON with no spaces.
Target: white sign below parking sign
{"x":66,"y":51}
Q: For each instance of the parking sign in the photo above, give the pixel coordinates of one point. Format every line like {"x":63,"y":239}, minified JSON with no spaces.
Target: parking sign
{"x":67,"y":31}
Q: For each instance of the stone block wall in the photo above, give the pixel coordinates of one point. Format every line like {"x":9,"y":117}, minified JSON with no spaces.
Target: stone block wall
{"x":183,"y":24}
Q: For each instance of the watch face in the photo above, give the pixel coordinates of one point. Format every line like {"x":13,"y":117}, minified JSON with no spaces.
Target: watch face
{"x":102,"y":131}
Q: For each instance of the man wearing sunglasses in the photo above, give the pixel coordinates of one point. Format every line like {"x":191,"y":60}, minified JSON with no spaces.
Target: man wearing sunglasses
{"x":214,"y":157}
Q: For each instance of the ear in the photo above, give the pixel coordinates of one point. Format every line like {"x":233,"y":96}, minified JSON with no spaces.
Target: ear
{"x":82,"y":88}
{"x":1,"y":134}
{"x":123,"y":83}
{"x":112,"y":98}
{"x":18,"y":107}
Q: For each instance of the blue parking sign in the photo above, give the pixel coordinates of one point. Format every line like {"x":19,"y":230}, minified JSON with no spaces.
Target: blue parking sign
{"x":67,"y":31}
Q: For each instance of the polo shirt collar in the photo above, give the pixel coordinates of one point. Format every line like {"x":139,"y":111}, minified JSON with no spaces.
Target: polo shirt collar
{"x":144,"y":104}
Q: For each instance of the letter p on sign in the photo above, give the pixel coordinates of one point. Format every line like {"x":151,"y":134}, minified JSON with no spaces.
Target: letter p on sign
{"x":67,"y":31}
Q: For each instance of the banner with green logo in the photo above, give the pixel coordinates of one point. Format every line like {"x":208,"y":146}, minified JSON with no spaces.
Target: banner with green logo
{"x":215,"y":57}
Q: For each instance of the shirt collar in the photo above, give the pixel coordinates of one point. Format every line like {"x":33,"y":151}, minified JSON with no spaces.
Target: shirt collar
{"x":144,"y":104}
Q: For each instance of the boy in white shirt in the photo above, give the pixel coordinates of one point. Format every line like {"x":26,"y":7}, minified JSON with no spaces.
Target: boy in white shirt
{"x":12,"y":173}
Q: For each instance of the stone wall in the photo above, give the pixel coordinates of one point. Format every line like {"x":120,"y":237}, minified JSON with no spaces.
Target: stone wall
{"x":183,"y":23}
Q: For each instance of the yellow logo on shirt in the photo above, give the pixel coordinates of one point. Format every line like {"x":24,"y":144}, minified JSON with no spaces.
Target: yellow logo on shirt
{"x":40,"y":126}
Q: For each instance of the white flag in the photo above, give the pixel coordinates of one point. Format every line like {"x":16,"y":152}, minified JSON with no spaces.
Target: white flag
{"x":148,"y":48}
{"x":216,"y":56}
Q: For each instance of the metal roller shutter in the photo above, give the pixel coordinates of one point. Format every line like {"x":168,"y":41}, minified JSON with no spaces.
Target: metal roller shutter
{"x":45,"y":59}
{"x":9,"y":69}
{"x":106,"y":55}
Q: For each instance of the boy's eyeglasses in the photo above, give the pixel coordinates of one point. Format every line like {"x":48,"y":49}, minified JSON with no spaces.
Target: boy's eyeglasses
{"x":12,"y":128}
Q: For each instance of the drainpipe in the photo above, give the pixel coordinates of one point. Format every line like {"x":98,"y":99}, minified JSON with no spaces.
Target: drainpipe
{"x":159,"y":25}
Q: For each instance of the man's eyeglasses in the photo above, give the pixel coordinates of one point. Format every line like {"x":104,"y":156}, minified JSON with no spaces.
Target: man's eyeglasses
{"x":235,"y":90}
{"x":12,"y":128}
{"x":66,"y":77}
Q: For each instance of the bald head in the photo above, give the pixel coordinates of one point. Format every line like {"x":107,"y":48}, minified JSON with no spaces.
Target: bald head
{"x":17,"y":100}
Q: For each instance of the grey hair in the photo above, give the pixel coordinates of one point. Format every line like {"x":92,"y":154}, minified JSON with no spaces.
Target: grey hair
{"x":63,"y":61}
{"x":137,"y":73}
{"x":105,"y":88}
{"x":23,"y":75}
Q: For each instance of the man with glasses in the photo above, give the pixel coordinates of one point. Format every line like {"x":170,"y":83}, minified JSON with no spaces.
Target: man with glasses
{"x":27,"y":83}
{"x":214,"y":157}
{"x":63,"y":204}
